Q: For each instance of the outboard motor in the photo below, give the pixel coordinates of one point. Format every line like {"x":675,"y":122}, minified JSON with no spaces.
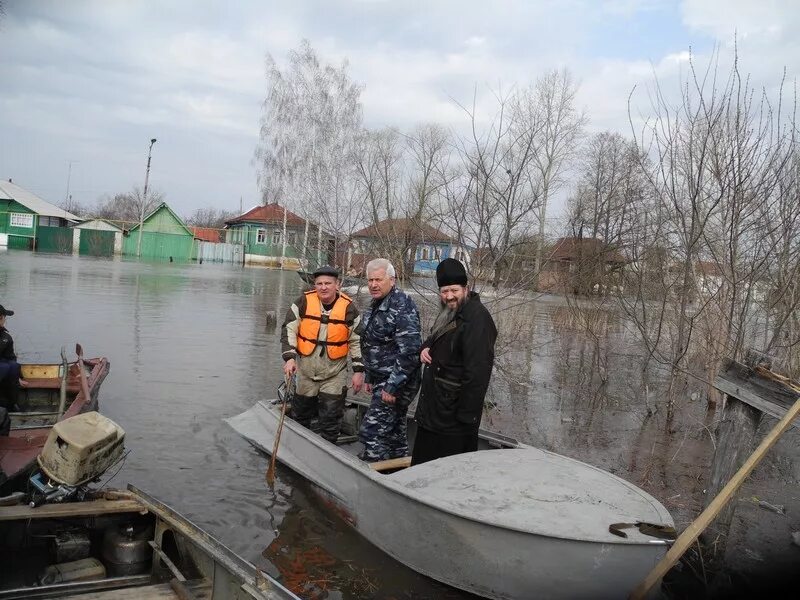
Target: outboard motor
{"x":77,"y":451}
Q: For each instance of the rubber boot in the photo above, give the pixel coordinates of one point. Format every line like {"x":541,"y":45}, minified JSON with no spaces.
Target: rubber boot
{"x":304,"y":409}
{"x":331,"y":410}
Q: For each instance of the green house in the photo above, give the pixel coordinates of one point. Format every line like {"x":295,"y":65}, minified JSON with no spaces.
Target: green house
{"x":27,"y":222}
{"x":261,"y":232}
{"x":164,"y":237}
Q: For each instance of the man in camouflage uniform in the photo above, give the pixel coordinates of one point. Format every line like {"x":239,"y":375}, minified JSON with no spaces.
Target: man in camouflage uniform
{"x":390,"y":346}
{"x":319,"y":333}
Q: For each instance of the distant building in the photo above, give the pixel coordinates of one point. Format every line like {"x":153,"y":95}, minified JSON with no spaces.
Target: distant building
{"x":164,"y":237}
{"x":581,"y":266}
{"x":97,"y":237}
{"x":417,"y":243}
{"x":260,"y":231}
{"x":207,"y":234}
{"x":27,"y":221}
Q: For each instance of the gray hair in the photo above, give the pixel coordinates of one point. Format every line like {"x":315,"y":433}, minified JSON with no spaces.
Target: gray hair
{"x":378,"y":264}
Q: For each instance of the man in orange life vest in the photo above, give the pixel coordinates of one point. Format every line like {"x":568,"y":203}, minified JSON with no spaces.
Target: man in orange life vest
{"x":319,"y":332}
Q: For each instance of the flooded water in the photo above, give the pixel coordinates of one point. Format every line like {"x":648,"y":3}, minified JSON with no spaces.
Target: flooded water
{"x":189,"y":346}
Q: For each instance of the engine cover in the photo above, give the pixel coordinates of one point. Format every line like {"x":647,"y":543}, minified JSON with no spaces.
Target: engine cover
{"x":81,"y":448}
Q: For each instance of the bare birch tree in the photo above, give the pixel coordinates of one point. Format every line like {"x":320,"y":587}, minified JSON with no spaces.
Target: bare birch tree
{"x":551,"y":102}
{"x":309,"y":130}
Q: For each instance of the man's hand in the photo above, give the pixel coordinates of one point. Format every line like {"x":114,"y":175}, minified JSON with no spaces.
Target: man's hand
{"x":425,"y":356}
{"x":358,"y":382}
{"x":289,"y":367}
{"x":368,"y":388}
{"x":387,"y":397}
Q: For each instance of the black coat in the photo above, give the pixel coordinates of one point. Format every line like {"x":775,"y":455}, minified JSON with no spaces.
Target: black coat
{"x":6,"y":345}
{"x":455,"y":383}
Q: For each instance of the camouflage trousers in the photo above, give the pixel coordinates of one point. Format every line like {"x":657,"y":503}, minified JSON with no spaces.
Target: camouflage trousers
{"x":383,"y":430}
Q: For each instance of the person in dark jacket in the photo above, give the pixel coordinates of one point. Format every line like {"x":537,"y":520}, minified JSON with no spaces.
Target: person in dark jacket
{"x":9,"y":373}
{"x":458,"y":358}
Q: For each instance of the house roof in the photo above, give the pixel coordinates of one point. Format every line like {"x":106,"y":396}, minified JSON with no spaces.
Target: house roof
{"x":269,"y":213}
{"x":97,"y":220}
{"x":11,"y":191}
{"x":166,"y":207}
{"x":709,"y":268}
{"x":572,"y":248}
{"x":207,"y":234}
{"x":391,"y":228}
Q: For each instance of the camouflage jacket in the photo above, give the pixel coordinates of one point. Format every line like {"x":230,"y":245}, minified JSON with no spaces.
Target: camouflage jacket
{"x":391,"y":340}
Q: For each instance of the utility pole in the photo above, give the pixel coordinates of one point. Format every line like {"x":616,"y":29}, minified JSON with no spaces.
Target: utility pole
{"x":144,"y":199}
{"x":68,"y":197}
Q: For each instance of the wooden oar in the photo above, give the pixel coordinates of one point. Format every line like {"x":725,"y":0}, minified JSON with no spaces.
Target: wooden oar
{"x":82,"y":373}
{"x":62,"y":395}
{"x":693,"y":531}
{"x":274,"y":457}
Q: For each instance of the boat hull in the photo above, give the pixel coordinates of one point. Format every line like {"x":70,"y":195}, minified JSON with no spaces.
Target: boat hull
{"x":475,"y":556}
{"x":19,"y":450}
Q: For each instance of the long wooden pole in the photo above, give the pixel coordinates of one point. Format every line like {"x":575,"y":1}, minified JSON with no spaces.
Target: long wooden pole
{"x":693,"y":531}
{"x":273,"y":458}
{"x":82,"y":375}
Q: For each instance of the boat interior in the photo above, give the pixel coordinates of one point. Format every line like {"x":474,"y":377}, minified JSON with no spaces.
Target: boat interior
{"x":356,"y":408}
{"x":39,"y":402}
{"x":113,"y":546}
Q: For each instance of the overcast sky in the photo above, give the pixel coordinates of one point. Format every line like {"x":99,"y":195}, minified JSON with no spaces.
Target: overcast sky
{"x":90,"y":82}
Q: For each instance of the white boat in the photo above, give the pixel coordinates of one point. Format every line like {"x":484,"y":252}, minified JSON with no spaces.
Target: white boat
{"x":510,"y":521}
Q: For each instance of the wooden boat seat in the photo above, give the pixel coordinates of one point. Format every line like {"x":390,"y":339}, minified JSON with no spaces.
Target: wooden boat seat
{"x":393,"y":464}
{"x":53,"y":383}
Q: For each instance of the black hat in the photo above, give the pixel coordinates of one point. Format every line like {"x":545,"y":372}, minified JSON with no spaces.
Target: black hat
{"x":4,"y":311}
{"x":451,"y":272}
{"x":327,"y":270}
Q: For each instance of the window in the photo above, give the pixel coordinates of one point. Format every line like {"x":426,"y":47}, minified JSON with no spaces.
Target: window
{"x":261,"y":236}
{"x":21,"y":220}
{"x":425,"y":253}
{"x":276,"y":237}
{"x":291,"y":238}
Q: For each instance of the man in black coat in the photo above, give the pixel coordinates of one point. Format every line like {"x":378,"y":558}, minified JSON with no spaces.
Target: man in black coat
{"x":459,"y":356}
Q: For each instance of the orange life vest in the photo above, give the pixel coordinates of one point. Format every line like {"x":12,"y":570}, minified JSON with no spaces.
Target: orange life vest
{"x":338,"y":332}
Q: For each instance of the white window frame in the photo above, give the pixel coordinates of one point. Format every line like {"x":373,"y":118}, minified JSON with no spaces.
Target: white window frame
{"x":23,"y":220}
{"x":276,"y":237}
{"x":425,"y":253}
{"x":261,"y":236}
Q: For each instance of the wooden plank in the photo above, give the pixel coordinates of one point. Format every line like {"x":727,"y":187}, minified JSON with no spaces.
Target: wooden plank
{"x":40,"y":371}
{"x":736,"y":438}
{"x":392,"y":463}
{"x":161,"y":591}
{"x":74,"y":509}
{"x":768,"y":394}
{"x":732,"y":388}
{"x":696,"y":527}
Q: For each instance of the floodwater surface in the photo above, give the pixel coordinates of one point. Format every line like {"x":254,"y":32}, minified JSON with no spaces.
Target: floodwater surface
{"x":189,"y":345}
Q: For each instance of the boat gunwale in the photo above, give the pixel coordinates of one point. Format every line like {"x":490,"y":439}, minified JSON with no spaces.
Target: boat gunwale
{"x":209,"y":544}
{"x":387,"y":482}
